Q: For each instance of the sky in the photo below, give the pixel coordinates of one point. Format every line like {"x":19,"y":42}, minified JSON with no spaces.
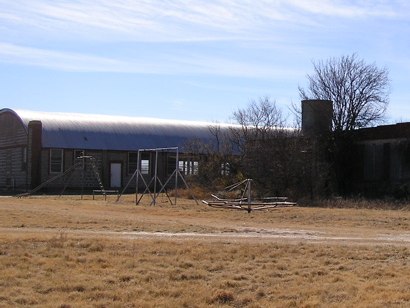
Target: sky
{"x":190,"y":59}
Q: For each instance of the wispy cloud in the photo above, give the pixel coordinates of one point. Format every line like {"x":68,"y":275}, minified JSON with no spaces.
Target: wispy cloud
{"x":349,"y":9}
{"x":177,"y":20}
{"x":162,"y":64}
{"x":12,"y":53}
{"x":164,"y":22}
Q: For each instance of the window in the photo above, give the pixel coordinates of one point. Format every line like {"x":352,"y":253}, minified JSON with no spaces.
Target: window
{"x":195,"y":165}
{"x":144,"y":166}
{"x":132,"y":162}
{"x":171,"y":161}
{"x":225,"y":169}
{"x":181,"y":166}
{"x":56,"y":160}
{"x":188,"y":167}
{"x":78,"y":154}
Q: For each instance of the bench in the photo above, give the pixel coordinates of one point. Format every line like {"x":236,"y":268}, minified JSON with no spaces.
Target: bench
{"x":104,"y":192}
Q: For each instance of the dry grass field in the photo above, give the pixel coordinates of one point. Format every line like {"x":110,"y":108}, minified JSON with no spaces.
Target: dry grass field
{"x":67,"y":252}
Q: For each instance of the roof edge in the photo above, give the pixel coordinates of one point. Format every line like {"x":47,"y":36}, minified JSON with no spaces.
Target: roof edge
{"x":13,"y":112}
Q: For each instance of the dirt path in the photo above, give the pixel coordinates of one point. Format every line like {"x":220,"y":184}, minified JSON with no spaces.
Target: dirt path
{"x":244,"y":235}
{"x":23,"y":218}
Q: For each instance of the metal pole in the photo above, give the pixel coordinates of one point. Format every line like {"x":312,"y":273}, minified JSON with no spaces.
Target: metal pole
{"x":249,"y":195}
{"x":176,"y":175}
{"x":83,"y":177}
{"x":155,"y":176}
{"x":137,"y":175}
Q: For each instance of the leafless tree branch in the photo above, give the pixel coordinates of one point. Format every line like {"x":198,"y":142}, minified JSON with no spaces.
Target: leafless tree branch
{"x":359,"y":91}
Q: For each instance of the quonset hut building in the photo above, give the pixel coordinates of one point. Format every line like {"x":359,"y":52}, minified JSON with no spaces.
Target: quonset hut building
{"x":37,"y":146}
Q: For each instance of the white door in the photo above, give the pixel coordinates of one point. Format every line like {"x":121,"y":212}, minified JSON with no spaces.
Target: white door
{"x":115,"y":174}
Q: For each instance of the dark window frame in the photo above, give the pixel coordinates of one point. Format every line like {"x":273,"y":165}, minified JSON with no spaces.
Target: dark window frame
{"x":132,"y":162}
{"x":56,"y":161}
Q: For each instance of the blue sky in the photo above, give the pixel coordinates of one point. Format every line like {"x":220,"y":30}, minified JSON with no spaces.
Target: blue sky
{"x":188,"y":59}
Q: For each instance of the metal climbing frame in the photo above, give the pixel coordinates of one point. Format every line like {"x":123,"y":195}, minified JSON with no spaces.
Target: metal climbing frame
{"x":155,"y":179}
{"x":70,"y":172}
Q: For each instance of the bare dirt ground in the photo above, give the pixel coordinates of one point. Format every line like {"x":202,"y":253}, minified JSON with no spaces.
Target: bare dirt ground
{"x":187,"y":220}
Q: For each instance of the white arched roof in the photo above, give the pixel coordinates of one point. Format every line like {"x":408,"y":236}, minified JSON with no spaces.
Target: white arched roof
{"x":106,"y":132}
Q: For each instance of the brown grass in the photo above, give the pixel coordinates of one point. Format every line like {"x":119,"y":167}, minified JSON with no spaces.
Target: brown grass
{"x":46,"y":261}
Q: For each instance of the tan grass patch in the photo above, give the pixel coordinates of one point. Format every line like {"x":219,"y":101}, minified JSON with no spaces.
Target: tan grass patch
{"x":67,"y":271}
{"x":186,"y":216}
{"x":54,"y":253}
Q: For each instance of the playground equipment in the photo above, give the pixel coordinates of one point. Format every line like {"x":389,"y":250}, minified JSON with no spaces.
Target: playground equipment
{"x":154,"y":186}
{"x":67,"y":175}
{"x":245,"y":202}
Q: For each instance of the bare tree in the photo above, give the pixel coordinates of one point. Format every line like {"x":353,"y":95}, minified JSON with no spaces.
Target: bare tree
{"x":257,"y":121}
{"x":359,"y":91}
{"x":217,"y":166}
{"x":270,"y":153}
{"x":263,"y":115}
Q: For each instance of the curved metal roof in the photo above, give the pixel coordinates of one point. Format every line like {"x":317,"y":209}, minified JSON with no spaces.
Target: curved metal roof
{"x":104,"y":132}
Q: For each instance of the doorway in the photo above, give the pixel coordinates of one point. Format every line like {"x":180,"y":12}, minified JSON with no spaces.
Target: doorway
{"x":115,"y":175}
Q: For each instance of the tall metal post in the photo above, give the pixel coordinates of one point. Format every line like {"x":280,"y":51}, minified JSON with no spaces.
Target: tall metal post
{"x":137,"y":176}
{"x":176,"y":175}
{"x":249,"y":195}
{"x":82,"y":176}
{"x":155,"y":176}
